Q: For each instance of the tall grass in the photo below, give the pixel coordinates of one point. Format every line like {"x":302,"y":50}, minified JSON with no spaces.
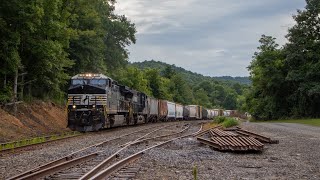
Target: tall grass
{"x":195,"y":173}
{"x":230,"y":122}
{"x":220,"y":119}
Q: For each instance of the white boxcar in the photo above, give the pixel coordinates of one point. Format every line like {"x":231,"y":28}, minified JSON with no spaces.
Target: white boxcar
{"x":210,"y":113}
{"x":153,"y":106}
{"x":179,"y":111}
{"x":190,"y":112}
{"x":226,"y":113}
{"x":216,"y":112}
{"x":153,"y":109}
{"x":171,"y":110}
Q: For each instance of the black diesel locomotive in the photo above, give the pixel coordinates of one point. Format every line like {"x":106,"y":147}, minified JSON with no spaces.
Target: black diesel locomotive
{"x":96,"y":101}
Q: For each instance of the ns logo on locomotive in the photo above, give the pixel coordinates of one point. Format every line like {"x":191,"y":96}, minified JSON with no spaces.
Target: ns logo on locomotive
{"x":96,"y":101}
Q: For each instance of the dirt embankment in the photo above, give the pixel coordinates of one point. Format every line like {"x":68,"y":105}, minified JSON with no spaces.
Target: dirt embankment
{"x":38,"y":118}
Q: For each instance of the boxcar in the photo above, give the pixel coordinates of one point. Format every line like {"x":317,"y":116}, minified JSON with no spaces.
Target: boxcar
{"x":192,"y":112}
{"x":205,"y":113}
{"x":179,"y":111}
{"x":199,"y":112}
{"x":227,"y":113}
{"x":217,"y":112}
{"x":171,"y":110}
{"x":153,"y":109}
{"x":163,"y":110}
{"x":210,"y":113}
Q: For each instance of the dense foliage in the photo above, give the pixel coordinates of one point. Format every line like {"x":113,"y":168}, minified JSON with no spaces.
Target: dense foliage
{"x":44,"y":42}
{"x":192,"y":77}
{"x":286,"y":80}
{"x":186,"y":87}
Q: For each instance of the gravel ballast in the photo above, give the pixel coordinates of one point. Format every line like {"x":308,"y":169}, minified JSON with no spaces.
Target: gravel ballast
{"x":297,"y":155}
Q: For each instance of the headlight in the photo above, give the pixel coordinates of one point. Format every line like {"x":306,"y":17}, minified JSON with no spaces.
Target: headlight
{"x":74,"y":106}
{"x":93,"y":106}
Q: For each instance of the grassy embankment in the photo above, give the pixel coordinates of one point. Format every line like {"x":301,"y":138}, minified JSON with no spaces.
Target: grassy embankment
{"x":37,"y":140}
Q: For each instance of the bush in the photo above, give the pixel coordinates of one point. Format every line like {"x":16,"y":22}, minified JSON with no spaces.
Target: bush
{"x":220,"y":119}
{"x":229,"y":122}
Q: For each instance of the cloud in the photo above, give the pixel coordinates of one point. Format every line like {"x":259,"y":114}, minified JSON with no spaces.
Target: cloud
{"x":211,"y":37}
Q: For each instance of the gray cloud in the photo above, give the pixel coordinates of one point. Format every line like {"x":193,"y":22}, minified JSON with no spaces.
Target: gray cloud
{"x":211,"y":37}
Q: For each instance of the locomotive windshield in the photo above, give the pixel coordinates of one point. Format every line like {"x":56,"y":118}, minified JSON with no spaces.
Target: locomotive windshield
{"x":97,"y":82}
{"x":79,"y":81}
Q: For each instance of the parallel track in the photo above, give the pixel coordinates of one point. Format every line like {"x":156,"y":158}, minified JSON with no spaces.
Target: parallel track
{"x":86,"y":165}
{"x":120,"y":165}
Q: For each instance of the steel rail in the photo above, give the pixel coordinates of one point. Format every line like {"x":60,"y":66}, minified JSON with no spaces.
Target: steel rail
{"x":104,"y":142}
{"x":100,"y":166}
{"x":107,"y":172}
{"x":52,"y":169}
{"x":69,"y":157}
{"x":147,"y":139}
{"x":145,"y":135}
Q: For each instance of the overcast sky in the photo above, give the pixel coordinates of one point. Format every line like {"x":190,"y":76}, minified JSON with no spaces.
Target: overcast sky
{"x":210,"y":37}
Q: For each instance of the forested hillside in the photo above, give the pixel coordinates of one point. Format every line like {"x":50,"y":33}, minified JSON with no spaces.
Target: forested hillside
{"x":173,"y":83}
{"x":286,"y":80}
{"x":190,"y":76}
{"x":44,"y":42}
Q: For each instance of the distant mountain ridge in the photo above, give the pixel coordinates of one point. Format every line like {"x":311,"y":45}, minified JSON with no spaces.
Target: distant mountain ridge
{"x":189,"y":75}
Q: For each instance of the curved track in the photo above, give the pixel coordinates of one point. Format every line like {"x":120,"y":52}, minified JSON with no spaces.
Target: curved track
{"x":88,"y":162}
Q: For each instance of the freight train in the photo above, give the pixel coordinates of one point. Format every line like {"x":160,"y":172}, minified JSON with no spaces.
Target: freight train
{"x":96,"y":101}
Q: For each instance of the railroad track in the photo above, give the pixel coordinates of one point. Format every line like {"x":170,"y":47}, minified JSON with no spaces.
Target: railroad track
{"x":93,"y":160}
{"x":34,"y":142}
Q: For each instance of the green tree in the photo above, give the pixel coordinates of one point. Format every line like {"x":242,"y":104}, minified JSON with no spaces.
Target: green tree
{"x":268,"y":81}
{"x":156,"y":84}
{"x":201,"y":98}
{"x":168,"y":72}
{"x":303,"y":62}
{"x":180,"y":91}
{"x":134,"y":78}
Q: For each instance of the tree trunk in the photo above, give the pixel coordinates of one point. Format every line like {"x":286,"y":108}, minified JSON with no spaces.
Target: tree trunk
{"x":21,"y":88}
{"x":5,"y":81}
{"x":29,"y":90}
{"x":15,"y":92}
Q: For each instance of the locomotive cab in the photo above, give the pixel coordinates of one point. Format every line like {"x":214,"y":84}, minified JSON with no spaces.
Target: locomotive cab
{"x":87,"y":101}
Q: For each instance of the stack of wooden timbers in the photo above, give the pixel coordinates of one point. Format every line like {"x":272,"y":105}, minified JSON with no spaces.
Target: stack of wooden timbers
{"x":233,"y":139}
